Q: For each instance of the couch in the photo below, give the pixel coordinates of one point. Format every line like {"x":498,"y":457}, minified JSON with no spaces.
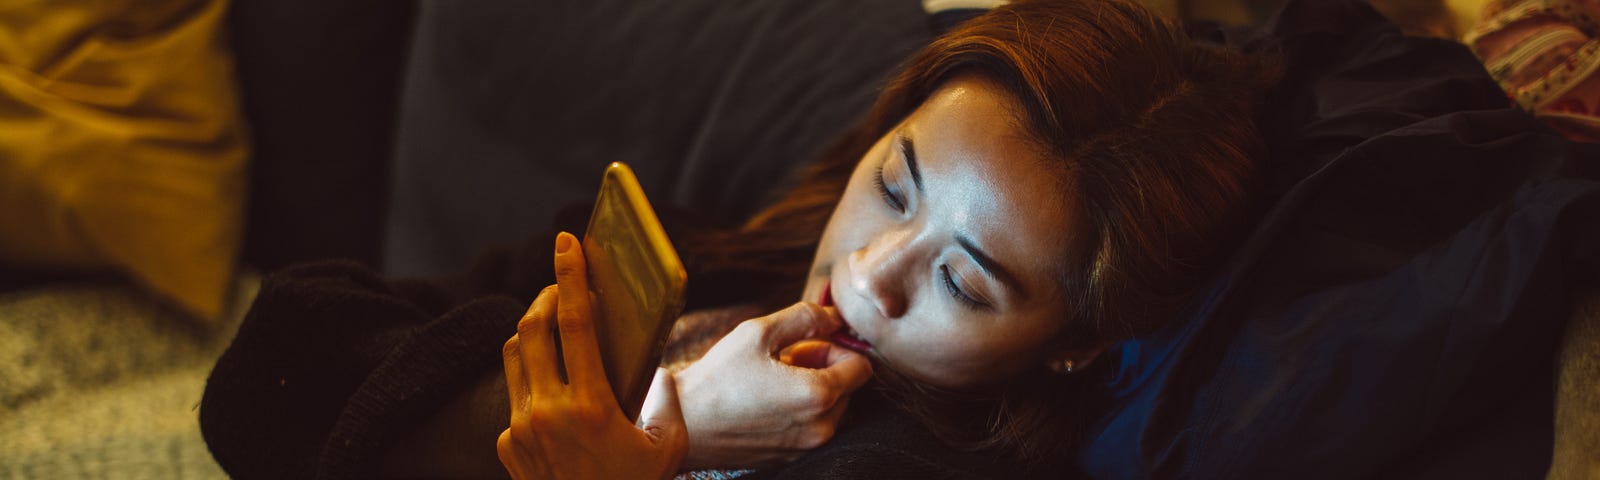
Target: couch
{"x":408,"y":135}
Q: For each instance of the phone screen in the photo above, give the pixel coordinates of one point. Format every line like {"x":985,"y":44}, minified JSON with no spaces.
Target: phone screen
{"x":638,"y":281}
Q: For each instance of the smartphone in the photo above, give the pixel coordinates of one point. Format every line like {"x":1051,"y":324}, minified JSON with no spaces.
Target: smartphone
{"x":638,"y":282}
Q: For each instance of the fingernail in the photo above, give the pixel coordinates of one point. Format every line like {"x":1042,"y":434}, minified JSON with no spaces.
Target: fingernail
{"x":564,"y":242}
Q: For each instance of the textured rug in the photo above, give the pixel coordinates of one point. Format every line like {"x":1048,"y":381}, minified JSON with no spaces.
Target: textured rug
{"x":99,"y":380}
{"x":1577,"y":448}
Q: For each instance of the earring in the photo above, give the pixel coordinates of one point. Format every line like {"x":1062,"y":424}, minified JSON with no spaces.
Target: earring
{"x":1061,"y":365}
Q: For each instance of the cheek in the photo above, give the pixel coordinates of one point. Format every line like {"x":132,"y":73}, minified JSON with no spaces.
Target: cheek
{"x":952,"y":352}
{"x":853,"y":217}
{"x":835,"y":235}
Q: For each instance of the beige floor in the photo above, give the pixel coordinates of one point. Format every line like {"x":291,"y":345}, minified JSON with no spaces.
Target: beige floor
{"x":98,"y":380}
{"x":1577,"y":448}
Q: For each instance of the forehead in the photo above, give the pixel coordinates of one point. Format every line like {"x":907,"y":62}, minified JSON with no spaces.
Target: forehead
{"x":987,"y":180}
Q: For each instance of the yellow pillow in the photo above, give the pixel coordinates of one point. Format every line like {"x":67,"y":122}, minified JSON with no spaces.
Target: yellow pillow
{"x":121,"y":143}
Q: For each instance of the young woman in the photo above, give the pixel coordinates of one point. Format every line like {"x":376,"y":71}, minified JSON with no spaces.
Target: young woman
{"x":1047,"y":179}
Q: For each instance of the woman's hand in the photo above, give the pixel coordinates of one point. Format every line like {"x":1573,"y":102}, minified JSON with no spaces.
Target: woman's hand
{"x":575,"y":429}
{"x":745,"y":407}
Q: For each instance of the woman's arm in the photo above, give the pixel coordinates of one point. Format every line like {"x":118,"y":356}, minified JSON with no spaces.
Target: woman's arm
{"x":802,"y":396}
{"x":749,"y":408}
{"x":334,"y":363}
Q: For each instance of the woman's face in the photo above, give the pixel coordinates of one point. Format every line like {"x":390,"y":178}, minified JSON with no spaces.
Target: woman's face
{"x":942,"y":255}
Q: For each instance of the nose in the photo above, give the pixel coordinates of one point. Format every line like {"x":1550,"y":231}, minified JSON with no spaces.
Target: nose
{"x":879,"y":272}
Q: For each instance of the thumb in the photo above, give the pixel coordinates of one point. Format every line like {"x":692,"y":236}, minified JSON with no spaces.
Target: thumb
{"x":662,"y":416}
{"x":798,"y":322}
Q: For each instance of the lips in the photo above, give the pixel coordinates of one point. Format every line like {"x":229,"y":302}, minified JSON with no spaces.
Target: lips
{"x":845,"y":335}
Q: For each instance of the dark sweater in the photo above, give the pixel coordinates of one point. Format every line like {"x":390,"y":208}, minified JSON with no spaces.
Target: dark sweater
{"x":333,"y":363}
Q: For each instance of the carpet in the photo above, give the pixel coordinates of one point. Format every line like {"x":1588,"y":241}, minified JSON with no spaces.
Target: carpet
{"x":100,"y":380}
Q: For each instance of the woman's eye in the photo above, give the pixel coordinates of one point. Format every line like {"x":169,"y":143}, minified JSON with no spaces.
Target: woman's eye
{"x":955,"y":290}
{"x":889,"y":196}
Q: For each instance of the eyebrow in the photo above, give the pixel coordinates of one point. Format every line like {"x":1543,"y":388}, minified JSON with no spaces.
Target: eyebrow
{"x":988,"y":264}
{"x":911,"y":160}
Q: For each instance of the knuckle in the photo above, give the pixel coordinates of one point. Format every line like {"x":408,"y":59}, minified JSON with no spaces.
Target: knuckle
{"x":816,"y":435}
{"x":752,"y":327}
{"x":534,"y":317}
{"x":588,"y":413}
{"x":531,"y":326}
{"x":521,"y":433}
{"x":809,"y":311}
{"x":541,"y":419}
{"x":505,"y":446}
{"x":510,"y":348}
{"x":813,"y":399}
{"x":568,"y":269}
{"x":572,"y":319}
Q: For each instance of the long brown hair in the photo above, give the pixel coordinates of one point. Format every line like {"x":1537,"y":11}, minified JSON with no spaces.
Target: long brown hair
{"x":1156,"y":143}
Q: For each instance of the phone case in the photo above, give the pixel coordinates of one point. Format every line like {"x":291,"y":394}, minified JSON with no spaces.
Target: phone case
{"x":639,"y":282}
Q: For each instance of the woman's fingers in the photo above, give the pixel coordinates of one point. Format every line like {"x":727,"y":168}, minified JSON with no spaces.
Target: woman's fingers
{"x":577,"y":430}
{"x":575,"y":314}
{"x":841,"y":369}
{"x":811,"y":353}
{"x":798,"y":322}
{"x":516,"y":382}
{"x":541,"y":367}
{"x":846,"y":369}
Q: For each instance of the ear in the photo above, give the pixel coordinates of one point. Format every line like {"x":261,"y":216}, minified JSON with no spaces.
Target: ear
{"x":1080,"y":358}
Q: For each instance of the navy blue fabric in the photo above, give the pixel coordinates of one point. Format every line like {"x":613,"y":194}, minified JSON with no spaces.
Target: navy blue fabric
{"x":1397,"y":309}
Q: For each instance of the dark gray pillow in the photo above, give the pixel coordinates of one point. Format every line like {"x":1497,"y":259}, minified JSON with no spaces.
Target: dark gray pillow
{"x":319,"y":82}
{"x":511,"y":109}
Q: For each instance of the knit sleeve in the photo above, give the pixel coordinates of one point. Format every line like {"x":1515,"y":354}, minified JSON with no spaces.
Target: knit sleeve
{"x":331,"y":362}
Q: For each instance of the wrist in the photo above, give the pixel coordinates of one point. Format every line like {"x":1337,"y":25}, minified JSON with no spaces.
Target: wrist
{"x":693,"y":457}
{"x":709,"y":443}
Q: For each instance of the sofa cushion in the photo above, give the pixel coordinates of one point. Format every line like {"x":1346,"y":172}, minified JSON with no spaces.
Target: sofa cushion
{"x":121,"y":144}
{"x":512,"y":109}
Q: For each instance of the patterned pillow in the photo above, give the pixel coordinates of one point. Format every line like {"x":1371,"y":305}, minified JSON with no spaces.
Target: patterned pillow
{"x":1546,"y":54}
